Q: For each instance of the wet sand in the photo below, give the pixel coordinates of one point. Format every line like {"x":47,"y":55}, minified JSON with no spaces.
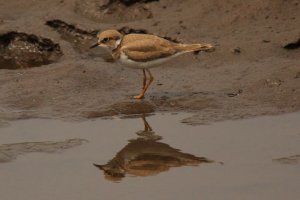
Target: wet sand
{"x":249,"y":74}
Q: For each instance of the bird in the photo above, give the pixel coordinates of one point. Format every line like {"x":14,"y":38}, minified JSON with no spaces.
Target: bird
{"x":144,"y":51}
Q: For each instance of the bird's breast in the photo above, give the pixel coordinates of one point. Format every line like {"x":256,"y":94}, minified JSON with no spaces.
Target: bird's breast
{"x":125,"y":60}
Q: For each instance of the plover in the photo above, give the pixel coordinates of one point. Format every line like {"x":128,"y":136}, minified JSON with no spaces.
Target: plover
{"x":144,"y":51}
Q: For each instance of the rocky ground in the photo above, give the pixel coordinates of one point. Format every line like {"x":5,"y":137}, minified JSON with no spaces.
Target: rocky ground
{"x":255,"y":69}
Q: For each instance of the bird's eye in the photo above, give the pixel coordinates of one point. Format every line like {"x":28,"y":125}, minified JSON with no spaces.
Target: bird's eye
{"x":105,"y":40}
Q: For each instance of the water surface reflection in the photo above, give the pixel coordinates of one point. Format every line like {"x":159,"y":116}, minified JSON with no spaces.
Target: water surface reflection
{"x":147,"y":156}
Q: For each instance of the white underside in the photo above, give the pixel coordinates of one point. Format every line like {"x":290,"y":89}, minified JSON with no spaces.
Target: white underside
{"x":147,"y":64}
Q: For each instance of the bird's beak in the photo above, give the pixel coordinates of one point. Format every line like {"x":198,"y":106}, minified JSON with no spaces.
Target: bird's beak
{"x":94,"y":45}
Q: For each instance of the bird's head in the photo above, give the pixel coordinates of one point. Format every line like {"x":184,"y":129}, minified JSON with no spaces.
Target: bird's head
{"x":109,"y":39}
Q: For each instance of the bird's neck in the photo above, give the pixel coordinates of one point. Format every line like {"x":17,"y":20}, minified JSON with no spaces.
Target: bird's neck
{"x":116,"y":51}
{"x":117,"y":44}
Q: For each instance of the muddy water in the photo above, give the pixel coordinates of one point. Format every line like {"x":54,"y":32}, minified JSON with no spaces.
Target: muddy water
{"x":153,"y":158}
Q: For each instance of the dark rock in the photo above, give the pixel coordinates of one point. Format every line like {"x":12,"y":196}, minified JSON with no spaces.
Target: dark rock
{"x":234,"y":94}
{"x":171,"y":39}
{"x":22,"y":50}
{"x":114,"y":11}
{"x":236,"y":50}
{"x":292,"y":45}
{"x":126,"y":2}
{"x":127,"y":30}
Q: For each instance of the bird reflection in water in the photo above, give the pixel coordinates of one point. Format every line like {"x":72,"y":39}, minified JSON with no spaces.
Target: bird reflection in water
{"x":146,"y":156}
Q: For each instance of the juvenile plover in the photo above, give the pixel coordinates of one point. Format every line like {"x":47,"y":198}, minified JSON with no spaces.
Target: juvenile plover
{"x":144,"y":51}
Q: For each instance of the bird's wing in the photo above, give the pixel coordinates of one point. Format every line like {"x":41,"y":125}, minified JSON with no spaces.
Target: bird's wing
{"x":148,"y":49}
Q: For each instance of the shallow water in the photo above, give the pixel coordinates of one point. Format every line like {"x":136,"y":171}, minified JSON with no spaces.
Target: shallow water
{"x":228,"y":160}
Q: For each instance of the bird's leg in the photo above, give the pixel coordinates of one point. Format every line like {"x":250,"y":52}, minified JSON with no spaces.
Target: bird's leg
{"x":144,"y":79}
{"x":150,"y":80}
{"x":141,"y":95}
{"x":146,"y":125}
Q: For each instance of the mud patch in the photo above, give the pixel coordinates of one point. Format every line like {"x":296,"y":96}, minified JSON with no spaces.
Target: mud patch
{"x":22,"y":50}
{"x":9,"y":152}
{"x":65,"y":28}
{"x":81,"y":39}
{"x":292,"y":160}
{"x":114,"y":11}
{"x":187,"y":101}
{"x":123,"y":108}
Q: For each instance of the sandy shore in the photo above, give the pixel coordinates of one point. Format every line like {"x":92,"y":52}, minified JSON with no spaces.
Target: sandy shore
{"x":249,"y":74}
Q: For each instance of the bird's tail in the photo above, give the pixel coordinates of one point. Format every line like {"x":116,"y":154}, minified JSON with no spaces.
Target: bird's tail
{"x":195,"y":47}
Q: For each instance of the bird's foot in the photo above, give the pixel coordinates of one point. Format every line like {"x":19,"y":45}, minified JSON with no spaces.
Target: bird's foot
{"x":141,"y":96}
